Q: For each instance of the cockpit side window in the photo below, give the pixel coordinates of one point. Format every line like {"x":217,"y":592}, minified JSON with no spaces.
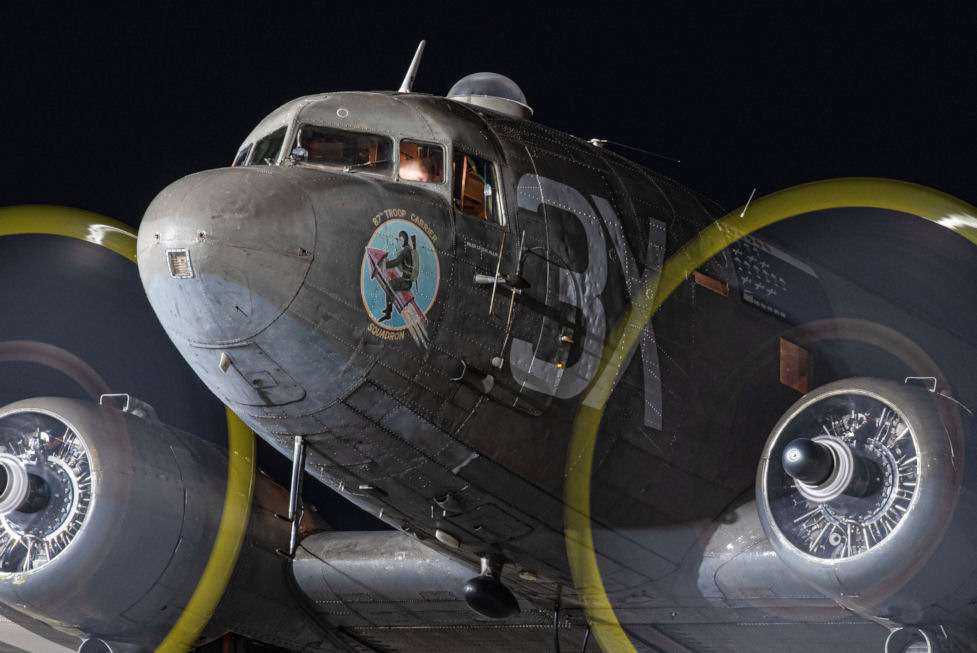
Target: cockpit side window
{"x":474,"y":189}
{"x":242,"y":156}
{"x":421,"y":161}
{"x":345,"y":149}
{"x":267,"y":149}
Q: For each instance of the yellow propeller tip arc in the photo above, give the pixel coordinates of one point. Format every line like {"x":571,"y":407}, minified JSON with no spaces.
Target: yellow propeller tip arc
{"x":855,"y":192}
{"x":121,"y":239}
{"x":73,"y":223}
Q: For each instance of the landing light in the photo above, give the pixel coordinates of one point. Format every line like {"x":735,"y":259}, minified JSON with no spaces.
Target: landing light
{"x":178,"y":261}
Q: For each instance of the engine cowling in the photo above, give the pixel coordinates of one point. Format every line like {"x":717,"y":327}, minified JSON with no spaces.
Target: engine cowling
{"x":106,"y":520}
{"x":865,"y":489}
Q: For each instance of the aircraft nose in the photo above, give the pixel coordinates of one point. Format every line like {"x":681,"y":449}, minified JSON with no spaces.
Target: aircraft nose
{"x":222,"y":253}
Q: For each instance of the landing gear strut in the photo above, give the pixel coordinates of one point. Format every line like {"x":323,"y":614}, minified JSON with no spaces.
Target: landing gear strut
{"x":295,"y":509}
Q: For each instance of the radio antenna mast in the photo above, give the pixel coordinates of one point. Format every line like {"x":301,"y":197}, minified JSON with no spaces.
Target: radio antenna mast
{"x":408,"y":83}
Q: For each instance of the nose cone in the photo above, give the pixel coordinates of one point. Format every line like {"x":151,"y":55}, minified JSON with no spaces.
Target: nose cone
{"x":222,"y":253}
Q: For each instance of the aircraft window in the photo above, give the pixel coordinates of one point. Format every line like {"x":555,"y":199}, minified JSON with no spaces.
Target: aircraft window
{"x":242,"y":156}
{"x":475,"y":187}
{"x":266,"y":150}
{"x":344,"y":149}
{"x":421,"y":161}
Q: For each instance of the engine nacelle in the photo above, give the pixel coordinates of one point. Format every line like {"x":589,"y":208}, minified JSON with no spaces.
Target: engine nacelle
{"x":867,"y":491}
{"x":106,"y":520}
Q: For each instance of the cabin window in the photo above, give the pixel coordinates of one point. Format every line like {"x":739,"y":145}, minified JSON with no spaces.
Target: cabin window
{"x":475,"y":189}
{"x":421,"y":161}
{"x":345,"y":149}
{"x":242,"y":156}
{"x":267,"y":149}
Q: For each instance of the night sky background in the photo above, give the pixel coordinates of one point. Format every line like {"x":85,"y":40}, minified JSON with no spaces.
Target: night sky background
{"x":102,"y":107}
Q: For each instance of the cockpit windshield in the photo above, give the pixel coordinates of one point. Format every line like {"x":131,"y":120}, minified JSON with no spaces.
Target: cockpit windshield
{"x":345,"y":149}
{"x":267,"y":149}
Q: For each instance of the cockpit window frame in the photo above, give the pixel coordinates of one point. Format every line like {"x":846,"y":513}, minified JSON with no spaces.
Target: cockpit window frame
{"x":241,"y":158}
{"x":501,"y":220}
{"x":278,"y":156}
{"x":297,"y":128}
{"x":421,"y":142}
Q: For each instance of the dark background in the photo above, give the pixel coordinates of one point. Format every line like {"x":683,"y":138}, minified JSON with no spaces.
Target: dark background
{"x":102,"y":107}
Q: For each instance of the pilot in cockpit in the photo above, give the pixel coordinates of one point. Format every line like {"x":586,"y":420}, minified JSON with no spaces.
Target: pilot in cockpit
{"x":421,"y":169}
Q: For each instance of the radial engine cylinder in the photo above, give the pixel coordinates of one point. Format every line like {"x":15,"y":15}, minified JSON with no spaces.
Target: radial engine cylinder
{"x":106,"y":520}
{"x":889,"y":527}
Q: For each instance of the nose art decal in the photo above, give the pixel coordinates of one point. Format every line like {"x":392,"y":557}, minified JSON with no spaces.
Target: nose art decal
{"x":400,"y":277}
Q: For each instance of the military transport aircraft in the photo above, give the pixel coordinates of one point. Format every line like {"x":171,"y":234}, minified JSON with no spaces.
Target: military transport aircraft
{"x":596,"y":410}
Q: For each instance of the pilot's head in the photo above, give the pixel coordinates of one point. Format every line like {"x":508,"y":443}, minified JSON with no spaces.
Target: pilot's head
{"x":402,"y":237}
{"x":423,"y":169}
